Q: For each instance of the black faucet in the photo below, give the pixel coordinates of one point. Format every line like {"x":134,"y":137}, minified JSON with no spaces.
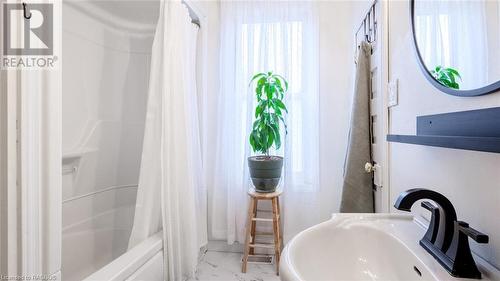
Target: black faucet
{"x":446,"y":238}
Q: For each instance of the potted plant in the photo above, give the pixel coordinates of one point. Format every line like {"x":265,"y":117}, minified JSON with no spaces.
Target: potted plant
{"x":265,"y":169}
{"x":447,"y":76}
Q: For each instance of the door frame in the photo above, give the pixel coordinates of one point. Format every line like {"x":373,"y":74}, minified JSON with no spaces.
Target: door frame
{"x":30,"y":168}
{"x":9,"y":191}
{"x":384,"y":59}
{"x":380,"y":60}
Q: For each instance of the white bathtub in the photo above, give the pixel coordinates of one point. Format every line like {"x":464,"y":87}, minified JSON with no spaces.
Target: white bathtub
{"x":95,"y":239}
{"x":96,"y":230}
{"x":143,"y":262}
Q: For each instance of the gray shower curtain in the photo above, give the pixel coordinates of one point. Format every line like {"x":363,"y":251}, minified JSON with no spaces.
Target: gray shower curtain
{"x":357,"y":191}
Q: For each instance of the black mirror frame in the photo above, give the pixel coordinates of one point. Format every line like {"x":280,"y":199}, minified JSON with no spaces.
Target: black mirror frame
{"x":459,"y":93}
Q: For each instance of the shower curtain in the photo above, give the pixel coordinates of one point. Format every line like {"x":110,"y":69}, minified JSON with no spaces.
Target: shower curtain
{"x":170,"y":195}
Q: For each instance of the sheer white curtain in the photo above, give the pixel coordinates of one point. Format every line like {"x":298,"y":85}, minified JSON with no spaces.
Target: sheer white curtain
{"x":267,"y":36}
{"x":170,"y":195}
{"x":454,"y":34}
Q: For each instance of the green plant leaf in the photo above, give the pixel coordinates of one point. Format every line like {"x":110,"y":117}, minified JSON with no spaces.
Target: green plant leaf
{"x":284,"y":80}
{"x":269,"y":91}
{"x":454,"y":72}
{"x":255,"y":77}
{"x":280,"y":104}
{"x":270,"y":138}
{"x":278,"y":86}
{"x":447,"y":76}
{"x":277,"y":141}
{"x":252,"y":141}
{"x":256,"y":125}
{"x":278,"y":111}
{"x":262,"y":142}
{"x":277,"y":137}
{"x":275,"y":120}
{"x":269,"y":111}
{"x":284,"y":123}
{"x":258,"y":110}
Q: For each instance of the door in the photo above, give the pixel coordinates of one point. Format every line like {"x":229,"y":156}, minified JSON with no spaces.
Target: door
{"x":376,"y":27}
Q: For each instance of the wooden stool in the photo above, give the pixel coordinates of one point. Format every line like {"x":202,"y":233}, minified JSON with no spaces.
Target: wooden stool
{"x":250,"y":243}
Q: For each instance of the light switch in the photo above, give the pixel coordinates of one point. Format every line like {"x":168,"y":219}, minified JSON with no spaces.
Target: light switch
{"x":392,"y":90}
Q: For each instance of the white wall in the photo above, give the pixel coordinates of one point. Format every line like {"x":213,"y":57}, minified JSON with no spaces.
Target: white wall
{"x":471,"y":180}
{"x":105,"y":84}
{"x":337,"y":48}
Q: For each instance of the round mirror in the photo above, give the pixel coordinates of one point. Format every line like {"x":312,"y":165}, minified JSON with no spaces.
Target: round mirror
{"x":458,"y":44}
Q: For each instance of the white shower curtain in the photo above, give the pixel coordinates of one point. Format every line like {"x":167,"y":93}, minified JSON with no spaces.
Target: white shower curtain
{"x":170,"y":196}
{"x":262,"y":36}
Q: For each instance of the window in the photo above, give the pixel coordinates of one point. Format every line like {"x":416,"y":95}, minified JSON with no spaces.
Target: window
{"x":277,"y":47}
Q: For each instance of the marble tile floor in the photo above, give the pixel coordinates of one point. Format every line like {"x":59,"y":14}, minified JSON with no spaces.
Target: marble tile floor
{"x":225,"y":266}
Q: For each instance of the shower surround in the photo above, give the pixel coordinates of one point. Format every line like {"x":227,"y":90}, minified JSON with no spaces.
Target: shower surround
{"x":107,"y":53}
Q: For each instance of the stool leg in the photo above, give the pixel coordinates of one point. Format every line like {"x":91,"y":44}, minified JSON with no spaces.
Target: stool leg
{"x":276,"y":235}
{"x":248,"y":230}
{"x":279,"y":223}
{"x":254,"y":226}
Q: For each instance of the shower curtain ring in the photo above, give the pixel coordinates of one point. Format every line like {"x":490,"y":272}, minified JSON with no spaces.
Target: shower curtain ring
{"x":26,"y":16}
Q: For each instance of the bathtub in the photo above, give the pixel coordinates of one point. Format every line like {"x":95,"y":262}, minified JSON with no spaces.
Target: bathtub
{"x":143,"y":262}
{"x":96,"y":230}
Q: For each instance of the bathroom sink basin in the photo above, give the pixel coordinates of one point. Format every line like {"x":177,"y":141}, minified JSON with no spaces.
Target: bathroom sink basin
{"x":362,"y":247}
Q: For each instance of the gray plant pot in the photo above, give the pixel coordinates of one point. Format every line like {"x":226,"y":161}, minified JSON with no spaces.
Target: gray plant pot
{"x":265,"y":172}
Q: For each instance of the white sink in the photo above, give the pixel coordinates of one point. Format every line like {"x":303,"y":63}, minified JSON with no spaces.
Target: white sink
{"x":363,"y":247}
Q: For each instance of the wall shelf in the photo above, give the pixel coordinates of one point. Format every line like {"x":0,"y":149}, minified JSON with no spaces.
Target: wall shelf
{"x":456,"y":142}
{"x":477,"y":130}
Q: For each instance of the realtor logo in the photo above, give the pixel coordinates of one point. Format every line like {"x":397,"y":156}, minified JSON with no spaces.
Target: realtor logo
{"x":28,"y":29}
{"x":28,"y":36}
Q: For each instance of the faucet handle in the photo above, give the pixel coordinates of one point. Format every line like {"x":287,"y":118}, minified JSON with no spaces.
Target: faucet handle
{"x":428,"y":206}
{"x":472,"y":233}
{"x":432,"y":230}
